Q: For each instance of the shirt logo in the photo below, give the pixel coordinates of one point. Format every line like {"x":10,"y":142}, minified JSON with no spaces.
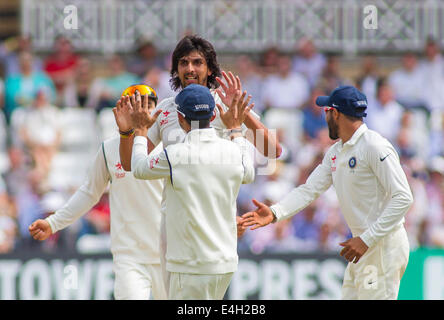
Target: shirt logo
{"x":153,"y":162}
{"x":119,"y":175}
{"x":164,"y":121}
{"x":382,"y":159}
{"x":333,"y":168}
{"x":166,"y":113}
{"x":352,"y":162}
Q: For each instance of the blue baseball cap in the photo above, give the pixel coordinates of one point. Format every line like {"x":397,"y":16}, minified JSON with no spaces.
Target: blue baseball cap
{"x":195,"y":102}
{"x":347,"y":100}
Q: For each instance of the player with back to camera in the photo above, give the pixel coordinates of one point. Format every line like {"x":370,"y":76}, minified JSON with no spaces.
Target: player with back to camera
{"x":194,"y":61}
{"x":203,"y":176}
{"x":373,"y":194}
{"x":135,"y":217}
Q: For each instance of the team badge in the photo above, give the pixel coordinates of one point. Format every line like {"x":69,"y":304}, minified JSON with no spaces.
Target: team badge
{"x":352,"y":162}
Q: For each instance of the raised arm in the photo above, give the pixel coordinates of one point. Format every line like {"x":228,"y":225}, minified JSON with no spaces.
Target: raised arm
{"x":122,"y":115}
{"x":258,"y":134}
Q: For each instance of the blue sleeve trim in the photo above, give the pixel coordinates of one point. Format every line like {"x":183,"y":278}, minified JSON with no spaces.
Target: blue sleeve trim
{"x":169,"y":163}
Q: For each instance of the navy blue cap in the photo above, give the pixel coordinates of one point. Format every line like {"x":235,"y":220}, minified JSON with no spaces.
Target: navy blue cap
{"x":195,"y":102}
{"x":347,"y":100}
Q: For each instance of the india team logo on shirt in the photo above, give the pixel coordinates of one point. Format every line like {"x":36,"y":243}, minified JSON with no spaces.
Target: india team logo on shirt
{"x":352,"y":162}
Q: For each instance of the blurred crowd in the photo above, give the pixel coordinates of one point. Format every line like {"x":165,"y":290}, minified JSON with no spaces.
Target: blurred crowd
{"x":57,"y":110}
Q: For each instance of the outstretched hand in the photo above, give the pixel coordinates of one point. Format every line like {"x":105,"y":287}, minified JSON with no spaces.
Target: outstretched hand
{"x":227,"y":91}
{"x":141,"y":117}
{"x":238,"y":110}
{"x":261,"y":217}
{"x":122,"y":114}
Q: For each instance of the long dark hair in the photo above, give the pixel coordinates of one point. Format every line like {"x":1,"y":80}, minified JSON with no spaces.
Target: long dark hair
{"x":184,"y":47}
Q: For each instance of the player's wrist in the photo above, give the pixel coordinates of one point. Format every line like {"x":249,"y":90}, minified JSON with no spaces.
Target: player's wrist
{"x":141,"y":132}
{"x":126,"y":133}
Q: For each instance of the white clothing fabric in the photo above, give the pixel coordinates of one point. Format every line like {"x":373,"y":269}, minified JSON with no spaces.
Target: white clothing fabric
{"x":408,"y":87}
{"x":136,"y":281}
{"x":386,"y":120}
{"x":371,"y":186}
{"x":287,"y":93}
{"x":204,"y":176}
{"x":378,"y":273}
{"x":186,"y":286}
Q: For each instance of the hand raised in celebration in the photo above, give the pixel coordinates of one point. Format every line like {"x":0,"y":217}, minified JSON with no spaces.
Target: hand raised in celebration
{"x":122,"y":114}
{"x":238,"y":110}
{"x":141,"y":117}
{"x":228,"y":91}
{"x":261,"y":217}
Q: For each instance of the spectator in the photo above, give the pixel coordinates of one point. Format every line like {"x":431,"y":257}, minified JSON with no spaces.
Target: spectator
{"x":269,"y":60}
{"x":408,"y":83}
{"x":159,"y":79}
{"x":313,"y":116}
{"x":248,"y":72}
{"x":146,"y":58}
{"x":28,"y":202}
{"x":77,"y":93}
{"x":368,"y":78}
{"x":8,"y":228}
{"x":435,"y":216}
{"x":2,"y":93}
{"x":61,"y":65}
{"x":21,"y":88}
{"x":10,"y":51}
{"x":431,"y":70}
{"x":385,"y":117}
{"x":106,"y":91}
{"x":309,"y":62}
{"x":307,"y":228}
{"x":285,"y":89}
{"x":330,"y":77}
{"x":41,"y":132}
{"x":415,"y":219}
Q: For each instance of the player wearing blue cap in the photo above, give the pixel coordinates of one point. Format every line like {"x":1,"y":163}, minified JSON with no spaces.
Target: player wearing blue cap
{"x":203,"y":176}
{"x":373,"y":194}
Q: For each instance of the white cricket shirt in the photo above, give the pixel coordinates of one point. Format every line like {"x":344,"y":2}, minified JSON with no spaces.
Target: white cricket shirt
{"x":134,"y":206}
{"x":204,"y":174}
{"x":371,"y":186}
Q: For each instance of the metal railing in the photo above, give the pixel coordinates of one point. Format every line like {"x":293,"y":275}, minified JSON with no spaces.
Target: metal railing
{"x":237,"y":25}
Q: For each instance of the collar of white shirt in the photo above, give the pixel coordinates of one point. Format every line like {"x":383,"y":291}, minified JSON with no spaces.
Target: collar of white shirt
{"x":201,"y":135}
{"x":355,"y":137}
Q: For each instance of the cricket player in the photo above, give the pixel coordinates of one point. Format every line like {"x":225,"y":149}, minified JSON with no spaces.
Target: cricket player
{"x":135,"y":220}
{"x":373,"y":194}
{"x":194,"y":61}
{"x":204,"y":174}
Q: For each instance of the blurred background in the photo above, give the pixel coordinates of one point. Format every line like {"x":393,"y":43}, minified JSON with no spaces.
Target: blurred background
{"x":63,"y":64}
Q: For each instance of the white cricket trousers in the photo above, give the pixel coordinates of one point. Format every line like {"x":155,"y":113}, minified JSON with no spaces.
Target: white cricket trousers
{"x":135,"y":281}
{"x":187,"y":286}
{"x":378,"y":273}
{"x":162,"y":251}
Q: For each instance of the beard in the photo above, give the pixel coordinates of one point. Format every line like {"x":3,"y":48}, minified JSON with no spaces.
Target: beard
{"x":332,"y":129}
